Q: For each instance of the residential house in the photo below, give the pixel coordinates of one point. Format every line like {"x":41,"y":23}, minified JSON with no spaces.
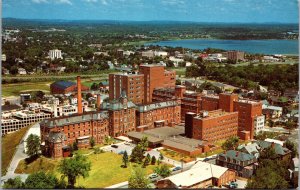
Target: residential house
{"x":282,"y":152}
{"x":243,"y":163}
{"x":272,"y":112}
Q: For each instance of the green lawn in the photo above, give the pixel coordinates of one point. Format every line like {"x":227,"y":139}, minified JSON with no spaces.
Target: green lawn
{"x":9,"y":144}
{"x":106,"y":169}
{"x":17,"y":88}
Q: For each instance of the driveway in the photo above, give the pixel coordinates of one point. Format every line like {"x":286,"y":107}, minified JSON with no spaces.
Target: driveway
{"x":121,"y":147}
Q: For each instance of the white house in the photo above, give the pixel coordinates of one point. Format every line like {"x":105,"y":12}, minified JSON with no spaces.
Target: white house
{"x":160,"y":53}
{"x":175,"y":60}
{"x":22,"y":71}
{"x":55,"y":54}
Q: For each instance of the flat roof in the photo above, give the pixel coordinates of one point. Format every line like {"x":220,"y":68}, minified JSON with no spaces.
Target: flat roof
{"x":201,"y":171}
{"x":165,"y":131}
{"x":139,"y":135}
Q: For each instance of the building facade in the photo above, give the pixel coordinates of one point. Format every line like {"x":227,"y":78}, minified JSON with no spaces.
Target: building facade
{"x":235,"y":55}
{"x":133,"y":84}
{"x":58,"y":134}
{"x":248,"y":111}
{"x":158,"y":114}
{"x":55,"y":54}
{"x":214,"y":125}
{"x":155,"y":76}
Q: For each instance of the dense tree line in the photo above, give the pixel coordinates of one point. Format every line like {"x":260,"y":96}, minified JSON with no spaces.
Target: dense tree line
{"x":277,"y":77}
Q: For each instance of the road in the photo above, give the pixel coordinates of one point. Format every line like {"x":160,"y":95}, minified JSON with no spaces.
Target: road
{"x":20,"y":155}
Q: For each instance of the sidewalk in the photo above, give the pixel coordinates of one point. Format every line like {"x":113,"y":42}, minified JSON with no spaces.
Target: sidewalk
{"x":18,"y":156}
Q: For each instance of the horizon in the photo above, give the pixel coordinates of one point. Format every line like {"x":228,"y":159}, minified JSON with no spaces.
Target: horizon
{"x":108,"y":20}
{"x":200,"y":11}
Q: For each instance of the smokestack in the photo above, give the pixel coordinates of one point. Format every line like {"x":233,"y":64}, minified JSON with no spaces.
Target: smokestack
{"x":79,"y":101}
{"x":98,"y":101}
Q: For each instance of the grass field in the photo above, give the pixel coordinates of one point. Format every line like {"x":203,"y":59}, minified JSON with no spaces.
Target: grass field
{"x":17,"y":88}
{"x":179,"y":70}
{"x":9,"y":144}
{"x":176,"y":155}
{"x":106,"y":169}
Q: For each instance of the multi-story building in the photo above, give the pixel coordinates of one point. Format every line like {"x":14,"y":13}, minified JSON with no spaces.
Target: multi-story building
{"x":190,"y":101}
{"x":248,"y":111}
{"x":121,"y":116}
{"x":259,"y":123}
{"x":55,"y":54}
{"x":58,"y":134}
{"x":155,"y":76}
{"x":241,"y":162}
{"x":214,"y":125}
{"x":14,"y":121}
{"x":132,"y":83}
{"x":235,"y":55}
{"x":158,"y":114}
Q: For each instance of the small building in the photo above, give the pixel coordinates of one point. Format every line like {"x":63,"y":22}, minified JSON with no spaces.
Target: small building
{"x":201,"y":175}
{"x":22,"y":71}
{"x":24,"y":98}
{"x":55,"y":54}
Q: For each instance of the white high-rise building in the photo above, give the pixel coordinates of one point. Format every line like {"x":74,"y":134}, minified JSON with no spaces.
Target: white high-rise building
{"x":55,"y":54}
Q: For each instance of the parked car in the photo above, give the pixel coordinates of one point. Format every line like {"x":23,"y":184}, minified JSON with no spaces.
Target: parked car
{"x":176,"y":168}
{"x":153,"y":177}
{"x":233,"y":185}
{"x":114,"y":146}
{"x":121,"y":152}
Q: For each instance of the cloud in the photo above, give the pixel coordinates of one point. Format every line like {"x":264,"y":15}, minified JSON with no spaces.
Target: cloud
{"x":64,"y":2}
{"x":104,"y":2}
{"x":173,"y":2}
{"x":39,"y":1}
{"x":91,"y":1}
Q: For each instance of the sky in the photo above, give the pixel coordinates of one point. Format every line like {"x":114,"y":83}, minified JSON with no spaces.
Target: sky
{"x":243,"y":11}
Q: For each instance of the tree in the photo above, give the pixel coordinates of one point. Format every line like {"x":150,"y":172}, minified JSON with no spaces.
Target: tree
{"x":15,"y":183}
{"x":33,"y":145}
{"x":161,"y":156}
{"x":138,"y":179}
{"x":292,"y":147}
{"x":163,"y":170}
{"x":153,"y":160}
{"x":125,"y":159}
{"x":92,"y":142}
{"x":147,"y":160}
{"x":271,"y":123}
{"x":74,"y":167}
{"x":95,"y":86}
{"x":137,"y":154}
{"x":230,"y":143}
{"x":144,"y":143}
{"x":275,"y":180}
{"x":41,"y":180}
{"x":75,"y":146}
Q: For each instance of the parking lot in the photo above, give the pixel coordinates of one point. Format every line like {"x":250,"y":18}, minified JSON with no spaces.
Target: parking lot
{"x":121,"y":147}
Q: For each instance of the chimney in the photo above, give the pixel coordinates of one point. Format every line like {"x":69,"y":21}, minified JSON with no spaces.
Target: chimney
{"x":98,"y":101}
{"x":79,"y":101}
{"x":273,"y":145}
{"x":237,"y":154}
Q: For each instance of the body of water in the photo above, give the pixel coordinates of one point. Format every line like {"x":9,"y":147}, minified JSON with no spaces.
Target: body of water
{"x":250,"y":46}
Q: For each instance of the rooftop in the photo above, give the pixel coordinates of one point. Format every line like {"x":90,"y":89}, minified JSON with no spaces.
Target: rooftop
{"x":61,"y":121}
{"x":157,"y":105}
{"x":201,"y":171}
{"x":63,"y":84}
